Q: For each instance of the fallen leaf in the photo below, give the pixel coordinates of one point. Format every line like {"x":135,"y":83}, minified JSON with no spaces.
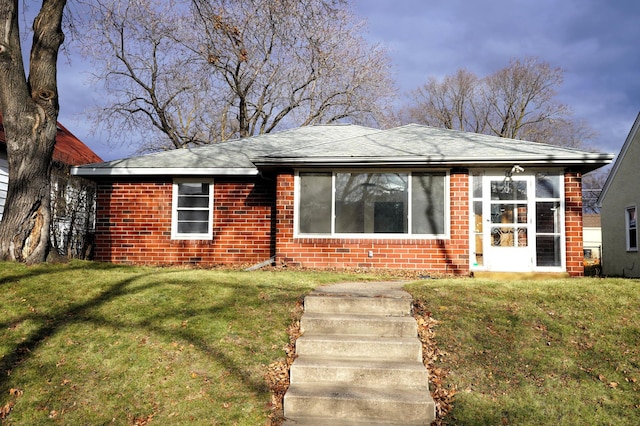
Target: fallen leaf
{"x":15,"y":392}
{"x":4,"y":411}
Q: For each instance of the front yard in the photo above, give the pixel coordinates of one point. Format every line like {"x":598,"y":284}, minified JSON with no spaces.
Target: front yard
{"x":89,"y":343}
{"x":557,"y":352}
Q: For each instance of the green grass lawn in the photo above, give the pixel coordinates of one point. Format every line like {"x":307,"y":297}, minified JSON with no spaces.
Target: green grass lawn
{"x":563,"y":352}
{"x":88,"y":343}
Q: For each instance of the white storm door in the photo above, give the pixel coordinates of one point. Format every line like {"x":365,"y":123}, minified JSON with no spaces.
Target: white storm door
{"x":508,"y":219}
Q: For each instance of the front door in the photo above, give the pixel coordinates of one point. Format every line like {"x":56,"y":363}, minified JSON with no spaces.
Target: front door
{"x":516,"y":221}
{"x":507,"y":223}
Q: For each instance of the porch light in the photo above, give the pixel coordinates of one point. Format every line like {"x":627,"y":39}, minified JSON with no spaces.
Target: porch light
{"x":515,"y":169}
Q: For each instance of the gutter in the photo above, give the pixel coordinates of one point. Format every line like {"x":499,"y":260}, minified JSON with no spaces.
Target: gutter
{"x":88,"y":171}
{"x":587,"y":163}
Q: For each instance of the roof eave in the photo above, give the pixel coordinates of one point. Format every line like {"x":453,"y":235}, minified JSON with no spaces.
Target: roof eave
{"x":89,"y":172}
{"x":590,"y":162}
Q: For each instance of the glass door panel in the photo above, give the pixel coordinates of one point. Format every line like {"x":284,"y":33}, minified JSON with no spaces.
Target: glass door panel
{"x":507,"y":234}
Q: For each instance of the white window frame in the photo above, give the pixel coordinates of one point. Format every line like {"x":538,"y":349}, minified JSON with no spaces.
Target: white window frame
{"x":629,"y":226}
{"x":379,"y":236}
{"x":175,"y":235}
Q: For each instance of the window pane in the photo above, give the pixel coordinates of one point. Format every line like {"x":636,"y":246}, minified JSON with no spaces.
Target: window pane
{"x":502,"y":237}
{"x":523,"y":237}
{"x":548,"y":217}
{"x":428,"y":203}
{"x":477,"y":186}
{"x":502,"y":213}
{"x":477,"y":213}
{"x":547,"y":186}
{"x":633,"y":239}
{"x":315,"y":203}
{"x":479,"y":251}
{"x":193,"y":201}
{"x":508,"y":190}
{"x":193,"y":227}
{"x":193,"y":215}
{"x":371,"y":202}
{"x":632,"y":231}
{"x":193,"y":188}
{"x":548,"y":250}
{"x":522,"y":213}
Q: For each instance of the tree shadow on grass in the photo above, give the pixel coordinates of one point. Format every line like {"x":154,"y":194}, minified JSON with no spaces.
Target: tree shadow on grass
{"x":46,"y":269}
{"x":87,"y":312}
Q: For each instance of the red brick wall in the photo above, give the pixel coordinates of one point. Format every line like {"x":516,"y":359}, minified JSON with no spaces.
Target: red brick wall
{"x":133,"y":225}
{"x":573,"y":223}
{"x":437,"y":256}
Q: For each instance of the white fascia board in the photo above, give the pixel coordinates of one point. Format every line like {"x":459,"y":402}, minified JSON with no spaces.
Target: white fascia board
{"x":164,"y":171}
{"x":411,"y":161}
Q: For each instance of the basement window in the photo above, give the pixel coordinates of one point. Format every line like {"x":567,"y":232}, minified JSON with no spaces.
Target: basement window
{"x":192,"y":209}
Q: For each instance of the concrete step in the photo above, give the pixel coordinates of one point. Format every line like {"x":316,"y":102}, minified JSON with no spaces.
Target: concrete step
{"x":365,"y":325}
{"x":346,"y":402}
{"x":361,"y":305}
{"x":360,"y":372}
{"x":365,"y":347}
{"x":324,"y":421}
{"x":515,"y":276}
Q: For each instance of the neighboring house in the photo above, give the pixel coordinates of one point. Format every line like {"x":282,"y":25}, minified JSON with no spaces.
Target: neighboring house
{"x":71,"y":203}
{"x":345,"y":196}
{"x":619,"y":201}
{"x":592,"y":239}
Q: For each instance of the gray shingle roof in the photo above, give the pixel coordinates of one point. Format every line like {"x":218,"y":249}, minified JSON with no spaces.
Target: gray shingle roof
{"x":349,"y":145}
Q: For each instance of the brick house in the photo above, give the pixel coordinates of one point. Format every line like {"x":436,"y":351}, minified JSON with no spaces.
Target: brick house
{"x":346,"y":196}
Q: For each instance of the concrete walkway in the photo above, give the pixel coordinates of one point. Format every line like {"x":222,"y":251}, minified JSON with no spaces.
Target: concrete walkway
{"x":359,"y":359}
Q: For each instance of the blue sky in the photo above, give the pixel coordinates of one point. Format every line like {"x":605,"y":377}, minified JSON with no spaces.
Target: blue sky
{"x":595,"y":42}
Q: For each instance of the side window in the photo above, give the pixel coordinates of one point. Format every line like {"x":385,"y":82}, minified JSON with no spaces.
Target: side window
{"x":192,"y":209}
{"x":631,"y":228}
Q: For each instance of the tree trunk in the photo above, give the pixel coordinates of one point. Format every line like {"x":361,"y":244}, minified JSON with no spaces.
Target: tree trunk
{"x":30,"y":111}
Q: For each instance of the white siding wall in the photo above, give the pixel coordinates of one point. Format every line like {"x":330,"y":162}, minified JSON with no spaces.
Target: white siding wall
{"x":621,"y":193}
{"x":592,"y":240}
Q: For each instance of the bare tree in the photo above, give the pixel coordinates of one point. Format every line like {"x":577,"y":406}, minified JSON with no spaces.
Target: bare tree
{"x":450,"y":103}
{"x":517,"y":102}
{"x":29,"y":111}
{"x":148,"y":77}
{"x":521,"y":96}
{"x":592,"y":184}
{"x":194,"y":72}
